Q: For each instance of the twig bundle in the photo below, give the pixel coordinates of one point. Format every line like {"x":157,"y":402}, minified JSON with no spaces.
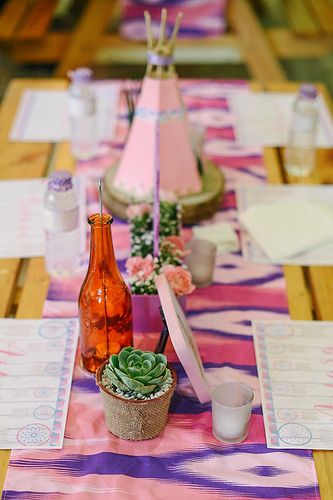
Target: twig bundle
{"x":162,"y":47}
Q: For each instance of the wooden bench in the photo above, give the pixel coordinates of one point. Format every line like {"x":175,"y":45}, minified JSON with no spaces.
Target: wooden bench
{"x":313,"y":18}
{"x":26,"y":35}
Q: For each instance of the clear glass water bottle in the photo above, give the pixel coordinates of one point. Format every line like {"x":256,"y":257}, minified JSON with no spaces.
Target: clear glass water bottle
{"x":82,"y":114}
{"x":301,"y":147}
{"x":61,"y":223}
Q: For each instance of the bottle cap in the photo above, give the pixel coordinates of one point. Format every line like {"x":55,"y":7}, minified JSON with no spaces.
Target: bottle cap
{"x":308,"y":90}
{"x":80,"y":75}
{"x":61,"y":180}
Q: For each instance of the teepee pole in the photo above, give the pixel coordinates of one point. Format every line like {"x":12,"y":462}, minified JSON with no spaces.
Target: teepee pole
{"x":148,"y":30}
{"x":172,"y":40}
{"x":162,"y":30}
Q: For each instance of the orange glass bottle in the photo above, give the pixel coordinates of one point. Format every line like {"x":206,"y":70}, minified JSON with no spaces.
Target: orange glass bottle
{"x":105,"y":309}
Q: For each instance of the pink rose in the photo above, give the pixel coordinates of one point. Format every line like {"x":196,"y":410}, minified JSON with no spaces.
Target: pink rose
{"x":137,"y":210}
{"x":141,"y":267}
{"x":177,"y":245}
{"x":179,"y":278}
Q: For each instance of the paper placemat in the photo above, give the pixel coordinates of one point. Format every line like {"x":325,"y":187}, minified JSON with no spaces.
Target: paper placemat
{"x":263,"y":119}
{"x":42,"y":115}
{"x":37,"y":359}
{"x":294,"y":360}
{"x":262,"y":195}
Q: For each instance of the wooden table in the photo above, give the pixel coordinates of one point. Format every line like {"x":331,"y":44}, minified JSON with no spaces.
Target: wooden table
{"x":24,"y":283}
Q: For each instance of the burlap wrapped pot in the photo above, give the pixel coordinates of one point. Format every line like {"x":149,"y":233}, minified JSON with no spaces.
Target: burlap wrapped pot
{"x":135,"y":419}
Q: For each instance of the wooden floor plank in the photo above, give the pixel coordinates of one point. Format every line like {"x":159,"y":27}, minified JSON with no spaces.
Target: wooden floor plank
{"x":287,"y":45}
{"x":111,"y":48}
{"x":301,"y":18}
{"x":11,"y":15}
{"x":84,"y":41}
{"x":37,"y":20}
{"x":258,"y":53}
{"x":324,"y":12}
{"x":48,"y":50}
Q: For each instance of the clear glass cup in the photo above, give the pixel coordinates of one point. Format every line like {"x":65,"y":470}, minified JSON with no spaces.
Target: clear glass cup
{"x":201,"y":261}
{"x":231,"y":411}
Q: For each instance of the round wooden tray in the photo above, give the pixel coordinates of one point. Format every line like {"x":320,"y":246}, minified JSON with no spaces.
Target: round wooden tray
{"x":195,"y":207}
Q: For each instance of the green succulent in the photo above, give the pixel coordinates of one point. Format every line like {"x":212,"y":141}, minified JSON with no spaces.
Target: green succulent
{"x":136,"y":371}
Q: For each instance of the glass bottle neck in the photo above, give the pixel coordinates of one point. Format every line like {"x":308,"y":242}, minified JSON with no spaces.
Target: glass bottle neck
{"x":101,"y":246}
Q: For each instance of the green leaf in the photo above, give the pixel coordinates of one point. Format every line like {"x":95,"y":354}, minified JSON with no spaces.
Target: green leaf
{"x":114,"y":360}
{"x":149,"y":381}
{"x":157,"y":381}
{"x":161,"y":358}
{"x":147,"y":365}
{"x":150,"y":356}
{"x":157,"y":371}
{"x":134,"y":371}
{"x":120,"y":374}
{"x":148,"y":389}
{"x":134,"y":385}
{"x":123,"y":356}
{"x":120,"y":385}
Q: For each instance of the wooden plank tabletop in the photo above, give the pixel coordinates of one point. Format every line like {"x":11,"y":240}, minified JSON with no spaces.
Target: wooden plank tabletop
{"x":24,"y":282}
{"x":309,"y":289}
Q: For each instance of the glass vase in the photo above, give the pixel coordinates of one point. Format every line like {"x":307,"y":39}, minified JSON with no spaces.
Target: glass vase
{"x":105,"y":309}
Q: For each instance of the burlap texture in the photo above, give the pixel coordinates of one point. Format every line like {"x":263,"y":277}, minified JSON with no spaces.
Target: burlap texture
{"x":135,"y":420}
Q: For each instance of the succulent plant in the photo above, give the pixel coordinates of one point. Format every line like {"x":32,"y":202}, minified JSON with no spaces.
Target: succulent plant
{"x":137,"y":372}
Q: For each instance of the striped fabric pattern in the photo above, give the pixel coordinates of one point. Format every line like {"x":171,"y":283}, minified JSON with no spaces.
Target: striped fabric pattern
{"x":202,"y":18}
{"x":185,"y":461}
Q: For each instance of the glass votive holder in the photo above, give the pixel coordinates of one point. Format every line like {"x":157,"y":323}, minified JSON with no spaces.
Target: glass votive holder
{"x":231,"y":411}
{"x":201,"y":261}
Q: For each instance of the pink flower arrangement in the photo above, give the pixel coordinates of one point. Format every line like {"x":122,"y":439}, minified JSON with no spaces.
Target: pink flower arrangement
{"x":179,"y":279}
{"x":142,"y":267}
{"x":142,"y":272}
{"x":176,"y":245}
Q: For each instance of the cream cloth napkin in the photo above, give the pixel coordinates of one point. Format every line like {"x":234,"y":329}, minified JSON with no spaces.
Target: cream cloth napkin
{"x":220,"y":233}
{"x":287,"y":228}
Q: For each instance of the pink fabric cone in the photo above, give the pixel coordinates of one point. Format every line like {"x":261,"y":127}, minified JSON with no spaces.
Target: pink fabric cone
{"x":160,"y":101}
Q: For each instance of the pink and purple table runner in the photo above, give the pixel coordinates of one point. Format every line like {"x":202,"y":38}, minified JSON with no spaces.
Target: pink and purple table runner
{"x":185,"y":461}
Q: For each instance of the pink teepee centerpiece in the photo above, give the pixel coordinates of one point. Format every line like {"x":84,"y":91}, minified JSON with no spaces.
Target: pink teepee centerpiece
{"x":160,"y":131}
{"x":159,"y":144}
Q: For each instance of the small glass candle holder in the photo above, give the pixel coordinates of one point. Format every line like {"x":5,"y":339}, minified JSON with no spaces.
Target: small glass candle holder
{"x":231,"y":411}
{"x":201,"y":261}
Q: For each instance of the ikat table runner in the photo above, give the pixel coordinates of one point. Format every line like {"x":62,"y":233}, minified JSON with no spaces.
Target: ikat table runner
{"x":185,"y":461}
